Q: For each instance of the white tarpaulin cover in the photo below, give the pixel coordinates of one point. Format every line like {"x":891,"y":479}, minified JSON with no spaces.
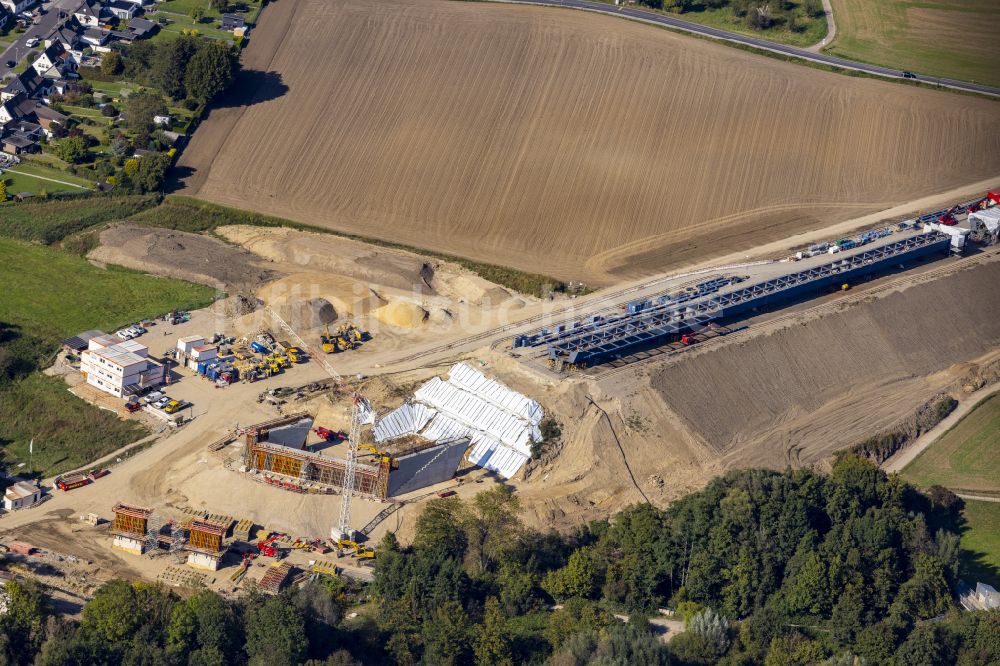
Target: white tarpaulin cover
{"x":407,"y":420}
{"x":990,"y":218}
{"x":501,"y":423}
{"x":473,"y":381}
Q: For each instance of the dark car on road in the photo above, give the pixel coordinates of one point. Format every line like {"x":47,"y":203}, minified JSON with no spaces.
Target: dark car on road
{"x":909,"y":75}
{"x":10,"y":63}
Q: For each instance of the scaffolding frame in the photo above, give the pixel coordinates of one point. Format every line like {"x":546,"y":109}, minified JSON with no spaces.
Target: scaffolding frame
{"x":305,"y":467}
{"x":585,"y":342}
{"x":205,"y":537}
{"x":130,"y":521}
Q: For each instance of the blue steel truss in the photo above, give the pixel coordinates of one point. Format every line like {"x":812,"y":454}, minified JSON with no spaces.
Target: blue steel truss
{"x":591,"y":340}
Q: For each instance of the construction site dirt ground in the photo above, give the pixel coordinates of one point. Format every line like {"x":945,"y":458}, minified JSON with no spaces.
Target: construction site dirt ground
{"x":655,"y":431}
{"x":644,"y":424}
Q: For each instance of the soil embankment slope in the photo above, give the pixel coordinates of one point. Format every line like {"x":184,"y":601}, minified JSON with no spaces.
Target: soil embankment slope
{"x":800,"y":393}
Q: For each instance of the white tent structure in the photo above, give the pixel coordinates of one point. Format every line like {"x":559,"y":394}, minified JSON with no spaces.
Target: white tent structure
{"x":501,"y":423}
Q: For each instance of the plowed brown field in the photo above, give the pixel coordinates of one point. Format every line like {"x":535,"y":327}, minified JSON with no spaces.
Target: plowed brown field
{"x":565,"y":143}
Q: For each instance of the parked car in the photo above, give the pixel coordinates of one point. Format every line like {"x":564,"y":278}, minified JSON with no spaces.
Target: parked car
{"x":173,"y":406}
{"x":125,"y":334}
{"x":136,"y":330}
{"x":162,"y":402}
{"x":11,"y":63}
{"x":153,"y":397}
{"x":32,"y":43}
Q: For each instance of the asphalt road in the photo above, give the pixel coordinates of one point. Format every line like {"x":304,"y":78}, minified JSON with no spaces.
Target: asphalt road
{"x":679,"y":24}
{"x":48,"y":24}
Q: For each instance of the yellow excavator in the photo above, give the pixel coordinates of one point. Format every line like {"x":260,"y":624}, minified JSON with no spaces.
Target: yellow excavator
{"x":328,"y":341}
{"x":380,"y":456}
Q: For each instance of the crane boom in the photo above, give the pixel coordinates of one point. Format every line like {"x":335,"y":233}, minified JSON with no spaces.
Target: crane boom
{"x":361,"y":413}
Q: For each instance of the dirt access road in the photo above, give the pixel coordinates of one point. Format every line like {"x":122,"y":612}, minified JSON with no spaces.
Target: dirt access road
{"x":567,"y":143}
{"x":901,"y":459}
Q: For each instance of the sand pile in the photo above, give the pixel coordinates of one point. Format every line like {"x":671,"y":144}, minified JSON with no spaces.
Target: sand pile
{"x":312,"y":313}
{"x":321,"y":297}
{"x":402,"y":314}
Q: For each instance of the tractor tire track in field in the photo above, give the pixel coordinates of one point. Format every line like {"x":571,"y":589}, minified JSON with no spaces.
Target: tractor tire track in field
{"x":568,"y":143}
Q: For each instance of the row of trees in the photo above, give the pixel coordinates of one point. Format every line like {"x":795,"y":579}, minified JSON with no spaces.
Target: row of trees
{"x":139,"y":623}
{"x":185,"y":67}
{"x":780,"y":569}
{"x":776,"y":568}
{"x":757,"y":14}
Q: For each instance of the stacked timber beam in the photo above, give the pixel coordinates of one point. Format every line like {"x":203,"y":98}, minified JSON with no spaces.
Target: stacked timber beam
{"x":275,"y":578}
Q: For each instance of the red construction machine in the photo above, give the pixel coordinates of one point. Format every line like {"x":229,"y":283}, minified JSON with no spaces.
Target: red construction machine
{"x":991,"y":199}
{"x":949,"y":219}
{"x":266,"y":548}
{"x":328,"y":435}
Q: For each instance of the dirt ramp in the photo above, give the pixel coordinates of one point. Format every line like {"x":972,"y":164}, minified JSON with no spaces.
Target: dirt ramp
{"x":800,"y":393}
{"x":183,"y":255}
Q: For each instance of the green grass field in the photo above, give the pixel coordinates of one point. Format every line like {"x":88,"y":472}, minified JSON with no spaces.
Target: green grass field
{"x":83,"y":296}
{"x":51,"y":221}
{"x":52,"y":294}
{"x":38,"y":178}
{"x":183,"y":22}
{"x":32,"y":168}
{"x":184,"y":7}
{"x":981,"y":543}
{"x":966,"y":457}
{"x":954,"y":39}
{"x":813,"y":29}
{"x":22,"y":183}
{"x":68,"y":432}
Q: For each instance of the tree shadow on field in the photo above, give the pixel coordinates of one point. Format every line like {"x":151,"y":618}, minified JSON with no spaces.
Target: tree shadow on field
{"x":252,"y":86}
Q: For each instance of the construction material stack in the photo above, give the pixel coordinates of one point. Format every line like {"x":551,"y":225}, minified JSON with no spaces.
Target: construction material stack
{"x":275,"y":578}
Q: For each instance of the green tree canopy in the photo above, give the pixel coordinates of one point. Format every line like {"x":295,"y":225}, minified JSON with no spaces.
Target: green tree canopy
{"x":211,"y":70}
{"x":72,"y":149}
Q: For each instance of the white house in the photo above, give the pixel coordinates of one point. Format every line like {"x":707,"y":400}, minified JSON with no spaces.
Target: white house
{"x":987,"y":596}
{"x":55,"y":62}
{"x":6,"y":113}
{"x":119,"y":368}
{"x":202,"y":354}
{"x":123,"y":10}
{"x":16,"y":6}
{"x":88,"y":15}
{"x":96,"y":36}
{"x":186,"y":344}
{"x":20,"y":495}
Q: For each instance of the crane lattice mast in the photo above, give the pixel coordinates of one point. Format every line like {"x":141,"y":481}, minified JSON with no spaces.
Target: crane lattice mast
{"x":360,"y":413}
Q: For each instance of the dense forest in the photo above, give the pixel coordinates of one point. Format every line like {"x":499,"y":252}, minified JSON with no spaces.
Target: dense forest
{"x":764,"y":568}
